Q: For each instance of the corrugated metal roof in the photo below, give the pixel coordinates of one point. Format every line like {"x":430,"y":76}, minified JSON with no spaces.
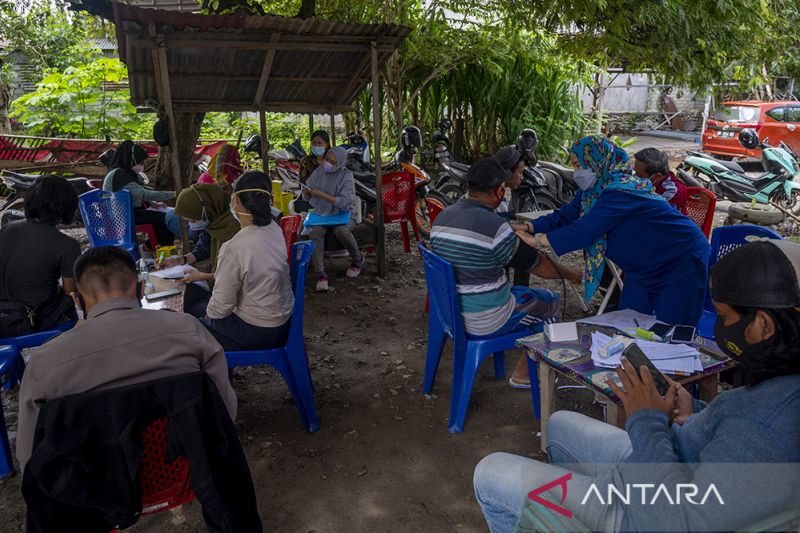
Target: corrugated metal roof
{"x":215,"y":62}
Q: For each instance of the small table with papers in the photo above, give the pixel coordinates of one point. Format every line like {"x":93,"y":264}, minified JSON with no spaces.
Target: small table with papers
{"x":574,"y":360}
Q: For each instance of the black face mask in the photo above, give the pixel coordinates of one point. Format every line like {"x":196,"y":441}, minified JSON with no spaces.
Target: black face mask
{"x":731,"y":339}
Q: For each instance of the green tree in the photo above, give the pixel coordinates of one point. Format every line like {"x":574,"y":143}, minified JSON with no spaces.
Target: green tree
{"x":76,"y":102}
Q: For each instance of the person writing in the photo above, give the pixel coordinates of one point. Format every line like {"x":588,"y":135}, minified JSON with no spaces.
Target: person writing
{"x":664,"y":254}
{"x":127,"y":174}
{"x":206,"y":208}
{"x":252,"y":301}
{"x":34,"y":256}
{"x":653,"y":164}
{"x":746,"y":442}
{"x":109,"y":350}
{"x":330,"y":190}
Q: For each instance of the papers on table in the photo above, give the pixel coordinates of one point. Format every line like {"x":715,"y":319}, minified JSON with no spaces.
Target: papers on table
{"x":668,"y":358}
{"x":178,"y":271}
{"x":624,"y":320}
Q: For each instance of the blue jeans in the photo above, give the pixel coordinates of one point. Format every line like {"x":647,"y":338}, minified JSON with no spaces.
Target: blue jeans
{"x":575,"y":443}
{"x":173,"y":222}
{"x":533,"y":306}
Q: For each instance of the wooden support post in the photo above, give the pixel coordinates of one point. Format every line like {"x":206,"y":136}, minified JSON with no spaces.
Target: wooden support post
{"x":380,"y":249}
{"x":262,"y":118}
{"x":310,"y":123}
{"x":333,"y":130}
{"x":162,"y":69}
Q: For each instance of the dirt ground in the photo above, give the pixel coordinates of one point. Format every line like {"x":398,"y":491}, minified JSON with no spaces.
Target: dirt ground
{"x":382,"y":459}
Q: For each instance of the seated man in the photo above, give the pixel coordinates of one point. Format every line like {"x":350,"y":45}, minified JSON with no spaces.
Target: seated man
{"x":479,"y":244}
{"x":118,"y":344}
{"x":745,"y":443}
{"x":653,"y":164}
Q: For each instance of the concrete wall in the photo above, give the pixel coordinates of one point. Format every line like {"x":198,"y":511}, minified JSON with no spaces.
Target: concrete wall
{"x":640,"y":98}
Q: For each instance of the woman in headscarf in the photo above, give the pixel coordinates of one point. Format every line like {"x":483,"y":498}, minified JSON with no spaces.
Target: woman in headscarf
{"x":330,"y":190}
{"x":127,"y":173}
{"x":320,"y":144}
{"x":663,"y":253}
{"x":206,"y":209}
{"x":224,"y":168}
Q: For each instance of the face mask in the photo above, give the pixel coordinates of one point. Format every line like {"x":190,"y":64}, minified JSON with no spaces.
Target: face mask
{"x":584,"y":178}
{"x":233,"y":212}
{"x":199,"y":225}
{"x":318,"y":151}
{"x":731,"y":339}
{"x":328,"y":166}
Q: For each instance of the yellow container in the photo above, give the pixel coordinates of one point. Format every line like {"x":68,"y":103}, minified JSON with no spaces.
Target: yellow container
{"x":162,"y":252}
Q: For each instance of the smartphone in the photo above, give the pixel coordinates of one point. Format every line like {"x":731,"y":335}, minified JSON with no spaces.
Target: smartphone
{"x":638,"y":359}
{"x":161,"y":295}
{"x":661,"y":330}
{"x":683,"y":334}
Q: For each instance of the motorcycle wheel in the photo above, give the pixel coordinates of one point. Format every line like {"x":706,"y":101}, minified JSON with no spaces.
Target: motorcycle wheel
{"x":452,"y":191}
{"x":433,"y":201}
{"x":792,"y":203}
{"x":542,"y":202}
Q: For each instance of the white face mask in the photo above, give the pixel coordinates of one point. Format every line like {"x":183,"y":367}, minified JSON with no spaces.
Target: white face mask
{"x":233,"y":212}
{"x":584,"y":178}
{"x":200,"y":225}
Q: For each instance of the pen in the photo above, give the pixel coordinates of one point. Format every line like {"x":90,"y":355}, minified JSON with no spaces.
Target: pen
{"x":637,"y":323}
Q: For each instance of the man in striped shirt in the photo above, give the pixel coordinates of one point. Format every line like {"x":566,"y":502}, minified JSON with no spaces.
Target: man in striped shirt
{"x":480,"y":244}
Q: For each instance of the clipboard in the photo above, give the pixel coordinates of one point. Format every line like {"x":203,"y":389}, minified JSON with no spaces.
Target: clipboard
{"x":339,"y":219}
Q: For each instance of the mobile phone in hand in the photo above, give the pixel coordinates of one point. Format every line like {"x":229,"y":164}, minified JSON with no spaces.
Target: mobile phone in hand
{"x":638,"y":359}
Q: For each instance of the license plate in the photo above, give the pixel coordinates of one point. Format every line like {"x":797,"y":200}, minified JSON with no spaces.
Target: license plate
{"x":725,"y":134}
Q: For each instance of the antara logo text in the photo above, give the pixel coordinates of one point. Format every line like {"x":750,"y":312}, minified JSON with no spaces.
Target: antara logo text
{"x":643,"y":493}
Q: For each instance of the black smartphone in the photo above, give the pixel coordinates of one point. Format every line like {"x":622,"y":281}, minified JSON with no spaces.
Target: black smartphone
{"x":638,"y":359}
{"x":683,"y":334}
{"x":161,"y":295}
{"x":661,"y":330}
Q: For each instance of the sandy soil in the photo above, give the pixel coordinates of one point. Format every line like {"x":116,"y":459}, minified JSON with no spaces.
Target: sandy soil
{"x":383,"y":459}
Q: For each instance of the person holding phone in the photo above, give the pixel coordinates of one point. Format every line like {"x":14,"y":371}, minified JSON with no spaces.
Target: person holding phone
{"x":746,"y":442}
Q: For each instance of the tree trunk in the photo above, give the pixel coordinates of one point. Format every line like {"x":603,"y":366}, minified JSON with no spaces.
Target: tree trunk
{"x":188,"y":127}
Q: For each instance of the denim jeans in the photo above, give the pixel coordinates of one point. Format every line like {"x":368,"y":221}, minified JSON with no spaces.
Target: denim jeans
{"x":575,"y":443}
{"x":173,"y":222}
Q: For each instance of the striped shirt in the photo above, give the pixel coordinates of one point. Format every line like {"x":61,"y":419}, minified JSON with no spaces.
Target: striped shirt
{"x":478,"y":243}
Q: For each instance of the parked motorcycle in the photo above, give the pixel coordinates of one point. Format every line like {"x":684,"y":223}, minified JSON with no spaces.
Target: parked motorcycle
{"x":13,"y":209}
{"x":727,"y":179}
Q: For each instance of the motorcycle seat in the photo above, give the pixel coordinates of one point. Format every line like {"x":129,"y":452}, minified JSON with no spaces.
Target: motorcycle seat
{"x":564,"y":172}
{"x":20,"y":177}
{"x":730,"y":165}
{"x":459,"y":166}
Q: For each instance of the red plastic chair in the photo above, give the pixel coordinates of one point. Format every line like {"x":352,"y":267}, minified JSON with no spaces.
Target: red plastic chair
{"x":700,"y":207}
{"x":290,"y":225}
{"x":399,"y":199}
{"x":434,"y":208}
{"x":151,"y":234}
{"x":164,"y":485}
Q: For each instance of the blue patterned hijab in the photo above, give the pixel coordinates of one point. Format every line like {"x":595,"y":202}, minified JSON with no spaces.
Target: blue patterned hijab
{"x":613,"y":169}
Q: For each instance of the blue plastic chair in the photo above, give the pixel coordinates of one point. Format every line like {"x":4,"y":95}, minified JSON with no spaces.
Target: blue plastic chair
{"x":445,"y":320}
{"x":12,"y":367}
{"x":725,"y":239}
{"x":290,"y":360}
{"x":108,"y":217}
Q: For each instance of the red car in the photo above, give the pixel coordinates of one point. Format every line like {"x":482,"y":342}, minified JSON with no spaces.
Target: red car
{"x":774,"y":122}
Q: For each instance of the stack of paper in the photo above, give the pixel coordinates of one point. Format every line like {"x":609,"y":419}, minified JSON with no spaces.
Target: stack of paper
{"x":668,"y":358}
{"x":624,"y":320}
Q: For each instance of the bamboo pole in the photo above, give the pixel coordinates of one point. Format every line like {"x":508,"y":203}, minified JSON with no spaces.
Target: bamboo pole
{"x":333,"y":130}
{"x":262,"y":119}
{"x":380,"y":247}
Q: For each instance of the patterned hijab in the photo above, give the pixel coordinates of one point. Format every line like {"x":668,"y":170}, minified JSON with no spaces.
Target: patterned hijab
{"x":614,"y":172}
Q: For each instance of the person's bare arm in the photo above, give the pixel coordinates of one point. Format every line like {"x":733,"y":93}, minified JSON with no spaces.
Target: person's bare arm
{"x":69,"y":286}
{"x":551,"y":269}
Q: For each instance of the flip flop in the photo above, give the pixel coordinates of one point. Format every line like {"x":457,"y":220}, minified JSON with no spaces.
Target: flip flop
{"x":515,"y":385}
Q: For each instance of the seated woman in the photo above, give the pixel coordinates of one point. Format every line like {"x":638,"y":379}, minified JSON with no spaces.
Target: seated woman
{"x":224,"y":169}
{"x":330,"y":190}
{"x":320,"y":144}
{"x":125,"y":174}
{"x":252,"y":301}
{"x":34,"y":255}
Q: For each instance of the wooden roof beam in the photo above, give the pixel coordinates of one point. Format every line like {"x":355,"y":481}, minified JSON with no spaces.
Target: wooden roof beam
{"x":266,"y":70}
{"x":358,"y":75}
{"x":218,"y":41}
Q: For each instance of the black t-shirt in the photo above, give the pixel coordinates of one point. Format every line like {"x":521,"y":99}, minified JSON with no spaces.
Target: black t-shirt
{"x":33,"y":256}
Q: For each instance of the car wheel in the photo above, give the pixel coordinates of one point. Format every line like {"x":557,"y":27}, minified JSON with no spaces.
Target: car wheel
{"x":761,"y":214}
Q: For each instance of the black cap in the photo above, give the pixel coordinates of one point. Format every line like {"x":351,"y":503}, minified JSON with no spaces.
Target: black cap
{"x":509,"y":156}
{"x":762,"y":274}
{"x":485,"y":174}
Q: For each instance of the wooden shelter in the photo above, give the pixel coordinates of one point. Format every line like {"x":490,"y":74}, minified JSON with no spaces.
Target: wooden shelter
{"x":184,"y":62}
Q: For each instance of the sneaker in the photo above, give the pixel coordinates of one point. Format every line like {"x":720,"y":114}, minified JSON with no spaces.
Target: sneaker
{"x":322,"y":283}
{"x":353,"y":271}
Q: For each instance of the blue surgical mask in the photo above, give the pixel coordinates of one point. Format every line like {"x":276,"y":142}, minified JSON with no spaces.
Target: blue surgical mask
{"x":318,"y":151}
{"x":584,"y":178}
{"x":200,"y":225}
